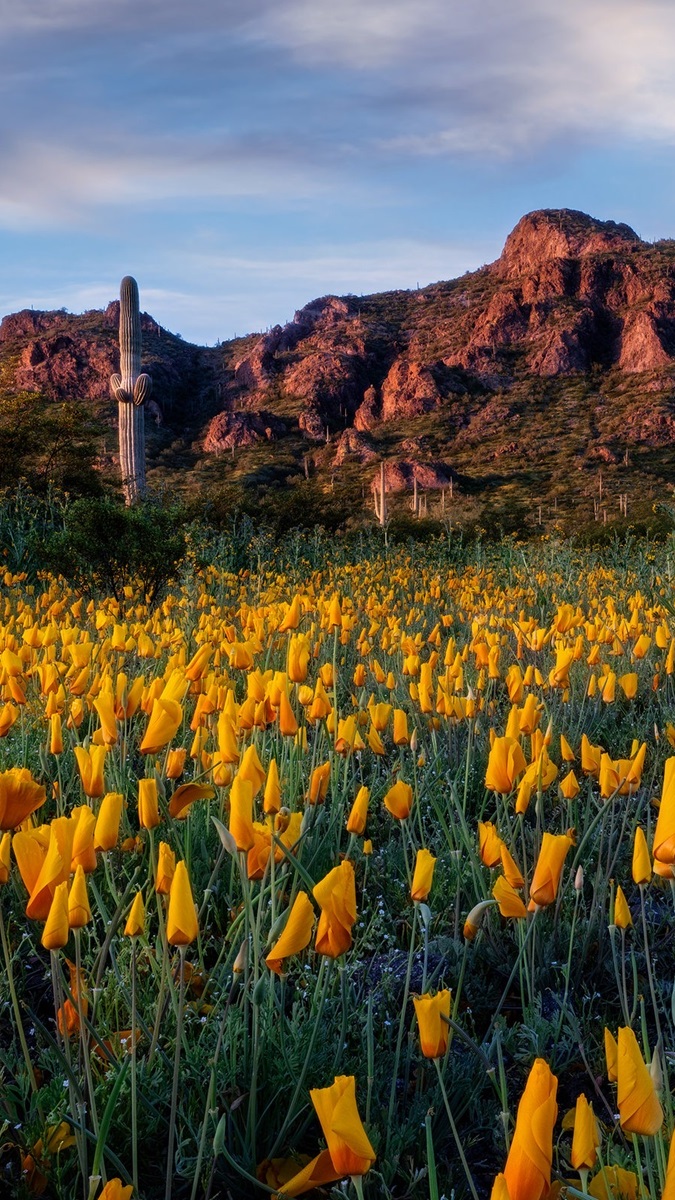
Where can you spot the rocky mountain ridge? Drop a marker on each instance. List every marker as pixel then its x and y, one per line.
pixel 572 328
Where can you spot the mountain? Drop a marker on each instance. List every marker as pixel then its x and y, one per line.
pixel 539 388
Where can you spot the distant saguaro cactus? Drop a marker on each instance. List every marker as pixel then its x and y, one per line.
pixel 131 389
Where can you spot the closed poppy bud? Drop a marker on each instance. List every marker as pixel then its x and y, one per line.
pixel 367 846
pixel 288 724
pixel 611 1055
pixel 182 926
pixel 252 769
pixel 622 916
pixel 336 896
pixel 136 920
pixel 55 734
pixel 528 1166
pixel 175 763
pixel 5 862
pixel 399 800
pixel 116 1190
pixel 586 1137
pixel 83 853
pixel 569 786
pixel 164 723
pixel 508 900
pixel 241 812
pixel 296 933
pixel 474 919
pixel 639 1107
pixel 148 804
pixel 90 764
pixel 546 878
pixel 566 750
pixel 423 875
pixel 348 1145
pixel 272 797
pixel 318 784
pixel 20 795
pixel 105 707
pixel 642 864
pixel 299 650
pixel 401 735
pixel 79 911
pixel 292 617
pixel 489 844
pixel 664 835
pixel 57 928
pixel 107 827
pixel 434 1031
pixel 334 613
pixel 499 1189
pixel 356 821
pixel 590 757
pixel 166 866
pixel 505 764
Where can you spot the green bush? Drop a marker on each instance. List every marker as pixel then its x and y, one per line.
pixel 105 546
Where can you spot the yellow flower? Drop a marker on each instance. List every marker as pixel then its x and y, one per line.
pixel 505 764
pixel 489 844
pixel 434 1031
pixel 79 912
pixel 136 920
pixel 296 933
pixel 546 878
pixel 508 900
pixel 166 867
pixel 622 915
pixel 57 928
pixel 187 794
pixel 422 875
pixel 182 926
pixel 586 1137
pixel 148 804
pixel 165 720
pixel 241 812
pixel 91 764
pixel 356 822
pixel 528 1166
pixel 639 1107
pixel 20 796
pixel 399 800
pixel 336 896
pixel 107 826
pixel 348 1145
pixel 642 864
pixel 663 848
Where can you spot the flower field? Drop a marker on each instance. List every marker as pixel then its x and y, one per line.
pixel 354 877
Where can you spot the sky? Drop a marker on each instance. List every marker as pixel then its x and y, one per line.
pixel 241 157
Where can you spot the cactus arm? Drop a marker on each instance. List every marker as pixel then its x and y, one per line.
pixel 117 391
pixel 142 389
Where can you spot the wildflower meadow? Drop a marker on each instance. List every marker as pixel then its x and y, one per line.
pixel 346 873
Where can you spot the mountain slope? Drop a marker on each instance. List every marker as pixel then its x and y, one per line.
pixel 543 379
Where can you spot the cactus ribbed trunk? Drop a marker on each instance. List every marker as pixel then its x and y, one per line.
pixel 131 389
pixel 131 420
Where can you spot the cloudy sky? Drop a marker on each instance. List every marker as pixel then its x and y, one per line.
pixel 240 157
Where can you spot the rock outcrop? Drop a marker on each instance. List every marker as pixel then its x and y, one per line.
pixel 400 476
pixel 232 430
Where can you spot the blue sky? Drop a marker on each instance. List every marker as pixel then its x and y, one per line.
pixel 240 157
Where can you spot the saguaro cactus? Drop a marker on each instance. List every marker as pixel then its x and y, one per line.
pixel 131 389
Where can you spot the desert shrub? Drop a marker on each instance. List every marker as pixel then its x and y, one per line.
pixel 104 546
